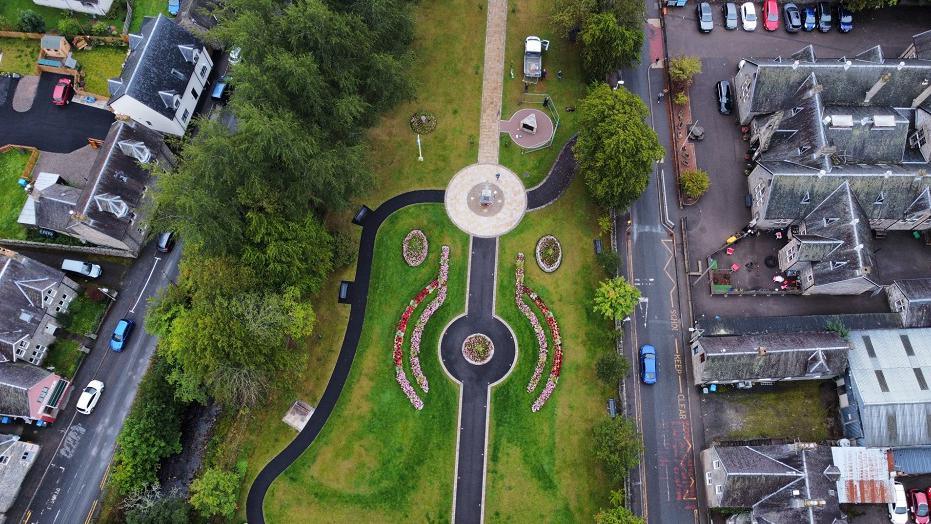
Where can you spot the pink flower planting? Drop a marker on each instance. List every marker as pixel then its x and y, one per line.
pixel 541 338
pixel 534 322
pixel 414 248
pixel 431 308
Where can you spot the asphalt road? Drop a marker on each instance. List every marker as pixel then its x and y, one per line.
pixel 64 485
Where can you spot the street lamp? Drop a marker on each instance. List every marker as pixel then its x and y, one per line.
pixel 419 149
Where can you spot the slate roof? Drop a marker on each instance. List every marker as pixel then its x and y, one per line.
pixel 922 42
pixel 918 293
pixel 865 141
pixel 21 455
pixel 22 284
pixel 800 134
pixel 15 380
pixel 788 355
pixel 160 64
pixel 52 41
pixel 53 206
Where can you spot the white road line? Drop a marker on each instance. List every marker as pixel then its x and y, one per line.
pixel 144 286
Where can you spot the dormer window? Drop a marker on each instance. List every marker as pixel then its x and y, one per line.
pixel 830 220
pixel 112 204
pixel 135 149
pixel 880 199
pixel 836 264
pixel 170 99
pixel 918 139
pixel 807 198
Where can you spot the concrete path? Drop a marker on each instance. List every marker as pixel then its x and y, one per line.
pixel 492 81
pixel 25 93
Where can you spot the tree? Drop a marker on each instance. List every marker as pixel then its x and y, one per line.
pixel 345 249
pixel 609 261
pixel 69 27
pixel 31 22
pixel 694 183
pixel 616 445
pixel 680 98
pixel 615 298
pixel 617 513
pixel 629 13
pixel 154 506
pixel 615 149
pixel 571 15
pixel 610 367
pixel 860 5
pixel 216 492
pixel 606 45
pixel 682 69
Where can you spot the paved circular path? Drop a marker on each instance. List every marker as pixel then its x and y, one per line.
pixel 507 206
pixel 545 128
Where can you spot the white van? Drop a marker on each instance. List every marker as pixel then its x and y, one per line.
pixel 84 268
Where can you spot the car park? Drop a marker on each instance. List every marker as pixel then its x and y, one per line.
pixel 730 15
pixel 918 506
pixel 89 397
pixel 174 6
pixel 824 17
pixel 62 92
pixel 748 16
pixel 725 98
pixel 121 333
pixel 770 15
pixel 809 18
pixel 844 19
pixel 648 364
pixel 791 17
pixel 705 20
pixel 82 268
pixel 165 242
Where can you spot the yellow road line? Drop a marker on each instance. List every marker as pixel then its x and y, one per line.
pixel 90 513
pixel 26 516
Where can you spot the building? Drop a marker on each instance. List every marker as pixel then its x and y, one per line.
pixel 163 76
pixel 920 46
pixel 30 393
pixel 768 358
pixel 91 7
pixel 32 295
pixel 55 46
pixel 885 400
pixel 911 299
pixel 16 459
pixel 111 210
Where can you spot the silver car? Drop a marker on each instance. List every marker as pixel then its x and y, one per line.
pixel 705 21
pixel 730 16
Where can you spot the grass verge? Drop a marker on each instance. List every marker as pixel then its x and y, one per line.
pixel 789 411
pixel 12 197
pixel 64 357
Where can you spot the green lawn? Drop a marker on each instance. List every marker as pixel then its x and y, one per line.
pixel 19 56
pixel 10 11
pixel 99 65
pixel 377 456
pixel 64 357
pixel 791 410
pixel 143 8
pixel 12 197
pixel 85 315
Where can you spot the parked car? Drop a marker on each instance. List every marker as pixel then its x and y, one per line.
pixel 809 18
pixel 648 364
pixel 221 90
pixel 792 18
pixel 89 397
pixel 824 17
pixel 173 7
pixel 844 19
pixel 770 15
pixel 121 333
pixel 898 510
pixel 730 15
pixel 235 55
pixel 705 20
pixel 165 242
pixel 748 16
pixel 83 268
pixel 725 99
pixel 62 92
pixel 918 506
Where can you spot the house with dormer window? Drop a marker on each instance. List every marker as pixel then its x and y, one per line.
pixel 163 76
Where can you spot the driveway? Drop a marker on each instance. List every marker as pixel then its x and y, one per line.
pixel 48 127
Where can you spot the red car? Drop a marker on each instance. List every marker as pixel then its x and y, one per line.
pixel 770 15
pixel 62 93
pixel 918 506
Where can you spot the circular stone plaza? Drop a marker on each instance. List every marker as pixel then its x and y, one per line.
pixel 486 200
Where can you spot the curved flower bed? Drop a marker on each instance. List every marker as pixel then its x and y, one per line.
pixel 534 322
pixel 431 308
pixel 548 253
pixel 398 354
pixel 415 247
pixel 478 349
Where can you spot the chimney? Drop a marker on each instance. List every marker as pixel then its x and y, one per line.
pixel 761 351
pixel 876 87
pixel 922 97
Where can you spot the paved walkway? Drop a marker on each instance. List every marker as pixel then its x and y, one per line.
pixel 25 93
pixel 500 214
pixel 492 81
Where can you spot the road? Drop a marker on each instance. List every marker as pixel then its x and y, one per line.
pixel 663 488
pixel 65 483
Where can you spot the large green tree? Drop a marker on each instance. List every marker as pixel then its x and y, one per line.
pixel 617 513
pixel 616 445
pixel 615 298
pixel 615 150
pixel 606 45
pixel 216 492
pixel 572 15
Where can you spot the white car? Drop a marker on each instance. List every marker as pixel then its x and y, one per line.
pixel 90 396
pixel 748 16
pixel 898 510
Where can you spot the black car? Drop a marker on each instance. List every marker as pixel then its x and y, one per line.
pixel 844 19
pixel 725 99
pixel 824 17
pixel 809 19
pixel 165 242
pixel 792 17
pixel 705 22
pixel 730 15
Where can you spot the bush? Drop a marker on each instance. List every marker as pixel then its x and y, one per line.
pixel 616 446
pixel 683 68
pixel 5 24
pixel 69 28
pixel 694 183
pixel 615 298
pixel 31 22
pixel 154 506
pixel 100 29
pixel 605 224
pixel 680 99
pixel 216 491
pixel 611 367
pixel 345 249
pixel 609 261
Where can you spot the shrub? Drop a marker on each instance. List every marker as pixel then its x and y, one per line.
pixel 694 183
pixel 31 22
pixel 69 28
pixel 615 298
pixel 683 68
pixel 680 99
pixel 345 249
pixel 616 446
pixel 216 491
pixel 609 261
pixel 611 367
pixel 5 24
pixel 100 29
pixel 605 224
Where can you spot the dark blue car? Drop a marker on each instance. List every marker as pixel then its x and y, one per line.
pixel 121 333
pixel 844 19
pixel 648 364
pixel 809 19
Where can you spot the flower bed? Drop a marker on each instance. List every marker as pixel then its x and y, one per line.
pixel 415 247
pixel 478 349
pixel 417 335
pixel 534 322
pixel 548 253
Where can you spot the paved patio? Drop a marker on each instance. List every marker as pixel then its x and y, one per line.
pixel 544 128
pixel 506 204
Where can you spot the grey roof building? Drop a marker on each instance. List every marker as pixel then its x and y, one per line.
pixel 16 459
pixel 920 46
pixel 768 358
pixel 30 393
pixel 911 299
pixel 885 399
pixel 32 295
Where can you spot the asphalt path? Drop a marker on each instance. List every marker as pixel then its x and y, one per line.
pixel 64 486
pixel 49 127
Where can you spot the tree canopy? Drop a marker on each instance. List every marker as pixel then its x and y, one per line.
pixel 216 492
pixel 615 149
pixel 615 298
pixel 616 445
pixel 606 45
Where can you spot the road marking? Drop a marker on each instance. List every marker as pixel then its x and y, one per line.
pixel 26 517
pixel 106 474
pixel 144 286
pixel 91 512
pixel 638 413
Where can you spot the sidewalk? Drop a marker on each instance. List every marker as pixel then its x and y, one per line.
pixel 492 81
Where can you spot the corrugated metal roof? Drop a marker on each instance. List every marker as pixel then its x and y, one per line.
pixel 897 366
pixel 915 460
pixel 864 475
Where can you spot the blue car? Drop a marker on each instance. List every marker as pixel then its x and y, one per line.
pixel 844 19
pixel 809 19
pixel 124 328
pixel 648 364
pixel 173 7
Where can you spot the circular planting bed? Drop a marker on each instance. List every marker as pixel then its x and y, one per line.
pixel 478 349
pixel 415 248
pixel 548 253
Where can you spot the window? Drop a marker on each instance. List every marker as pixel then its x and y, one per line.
pixel 185 115
pixel 920 377
pixel 807 198
pixel 880 199
pixel 203 71
pixel 716 464
pixel 918 139
pixel 719 488
pixel 194 93
pixel 708 478
pixel 881 379
pixel 25 455
pixel 907 344
pixel 810 279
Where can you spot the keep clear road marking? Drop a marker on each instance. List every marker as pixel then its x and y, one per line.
pixel 142 291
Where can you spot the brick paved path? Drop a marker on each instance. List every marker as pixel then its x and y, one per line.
pixel 492 81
